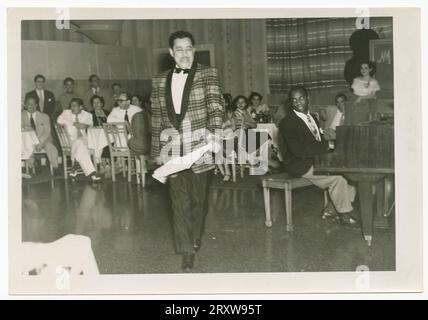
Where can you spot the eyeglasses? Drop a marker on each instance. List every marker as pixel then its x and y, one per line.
pixel 122 100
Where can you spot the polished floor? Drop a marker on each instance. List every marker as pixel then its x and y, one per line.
pixel 131 231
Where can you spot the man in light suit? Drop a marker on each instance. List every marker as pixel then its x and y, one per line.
pixel 186 101
pixel 335 116
pixel 76 121
pixel 302 141
pixel 44 98
pixel 95 89
pixel 31 119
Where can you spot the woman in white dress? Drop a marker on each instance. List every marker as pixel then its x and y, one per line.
pixel 365 86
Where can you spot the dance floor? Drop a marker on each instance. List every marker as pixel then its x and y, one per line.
pixel 131 231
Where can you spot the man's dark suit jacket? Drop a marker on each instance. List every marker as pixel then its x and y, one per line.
pixel 141 136
pixel 49 104
pixel 298 147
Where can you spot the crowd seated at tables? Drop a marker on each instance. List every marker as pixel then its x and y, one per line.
pixel 101 106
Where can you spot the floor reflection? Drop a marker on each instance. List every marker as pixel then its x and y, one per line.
pixel 130 229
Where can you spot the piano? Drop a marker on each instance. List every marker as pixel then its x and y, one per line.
pixel 364 154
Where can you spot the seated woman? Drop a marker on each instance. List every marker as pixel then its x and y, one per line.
pixel 257 109
pixel 243 118
pixel 99 114
pixel 244 121
pixel 365 86
pixel 228 127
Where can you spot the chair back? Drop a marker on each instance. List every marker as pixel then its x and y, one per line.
pixel 63 137
pixel 117 137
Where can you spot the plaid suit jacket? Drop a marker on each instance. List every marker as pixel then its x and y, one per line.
pixel 202 109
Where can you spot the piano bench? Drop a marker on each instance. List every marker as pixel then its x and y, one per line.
pixel 283 182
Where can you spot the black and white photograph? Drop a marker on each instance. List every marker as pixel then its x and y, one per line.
pixel 247 144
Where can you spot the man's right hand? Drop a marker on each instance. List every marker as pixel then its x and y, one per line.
pixel 158 161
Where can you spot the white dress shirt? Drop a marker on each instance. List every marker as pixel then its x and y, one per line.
pixel 68 119
pixel 177 87
pixel 118 114
pixel 310 123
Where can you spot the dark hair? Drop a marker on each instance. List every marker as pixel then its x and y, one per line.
pixel 255 94
pixel 138 97
pixel 78 100
pixel 371 65
pixel 93 76
pixel 27 98
pixel 180 35
pixel 235 101
pixel 39 76
pixel 68 79
pixel 340 95
pixel 91 101
pixel 127 94
pixel 297 88
pixel 227 98
pixel 116 84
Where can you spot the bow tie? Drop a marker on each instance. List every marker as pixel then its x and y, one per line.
pixel 178 70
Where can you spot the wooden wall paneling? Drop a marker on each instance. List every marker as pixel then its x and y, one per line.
pixel 225 54
pixel 237 54
pixel 245 56
pixel 259 79
pixel 35 30
pixel 48 27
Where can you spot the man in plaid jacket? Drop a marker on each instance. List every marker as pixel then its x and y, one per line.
pixel 187 107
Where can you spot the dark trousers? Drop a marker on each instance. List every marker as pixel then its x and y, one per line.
pixel 188 191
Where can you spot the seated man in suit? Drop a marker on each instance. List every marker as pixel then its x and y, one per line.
pixel 302 140
pixel 44 98
pixel 95 89
pixel 125 111
pixel 335 116
pixel 76 121
pixel 31 119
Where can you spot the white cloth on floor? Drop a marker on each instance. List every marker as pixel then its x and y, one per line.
pixel 71 252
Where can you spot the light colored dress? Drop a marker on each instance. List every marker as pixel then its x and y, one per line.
pixel 363 88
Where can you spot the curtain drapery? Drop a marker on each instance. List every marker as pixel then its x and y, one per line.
pixel 312 51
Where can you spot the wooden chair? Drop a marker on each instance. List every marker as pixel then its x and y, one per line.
pixel 247 161
pixel 117 138
pixel 283 182
pixel 42 154
pixel 65 143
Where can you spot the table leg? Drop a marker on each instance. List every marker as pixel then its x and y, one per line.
pixel 266 195
pixel 366 205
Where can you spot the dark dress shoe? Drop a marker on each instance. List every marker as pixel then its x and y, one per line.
pixel 197 244
pixel 188 260
pixel 347 220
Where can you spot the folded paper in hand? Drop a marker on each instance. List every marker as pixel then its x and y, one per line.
pixel 185 162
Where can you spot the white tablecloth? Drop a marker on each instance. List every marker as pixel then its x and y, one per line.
pixel 28 141
pixel 272 130
pixel 97 141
